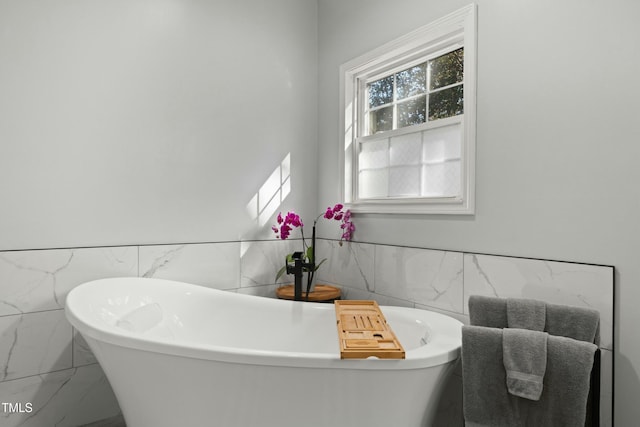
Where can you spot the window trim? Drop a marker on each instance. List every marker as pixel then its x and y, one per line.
pixel 457 28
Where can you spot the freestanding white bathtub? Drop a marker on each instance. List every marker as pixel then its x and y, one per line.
pixel 184 355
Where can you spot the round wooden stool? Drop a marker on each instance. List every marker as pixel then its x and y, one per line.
pixel 321 293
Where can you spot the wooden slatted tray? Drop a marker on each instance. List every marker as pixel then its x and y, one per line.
pixel 363 331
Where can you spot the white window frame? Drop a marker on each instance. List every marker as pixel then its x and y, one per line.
pixel 455 30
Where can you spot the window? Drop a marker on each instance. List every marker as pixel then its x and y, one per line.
pixel 409 121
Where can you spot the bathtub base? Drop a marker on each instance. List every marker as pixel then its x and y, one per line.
pixel 165 390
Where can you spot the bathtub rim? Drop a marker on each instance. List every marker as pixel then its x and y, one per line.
pixel 418 358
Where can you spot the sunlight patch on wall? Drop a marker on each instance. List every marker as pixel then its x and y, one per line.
pixel 348 133
pixel 347 157
pixel 272 193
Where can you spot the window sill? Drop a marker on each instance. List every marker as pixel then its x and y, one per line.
pixel 440 206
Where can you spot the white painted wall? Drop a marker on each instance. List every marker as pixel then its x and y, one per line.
pixel 557 140
pixel 151 121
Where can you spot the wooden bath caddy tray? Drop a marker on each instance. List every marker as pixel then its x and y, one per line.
pixel 363 331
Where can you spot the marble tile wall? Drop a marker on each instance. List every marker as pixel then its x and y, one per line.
pixel 43 361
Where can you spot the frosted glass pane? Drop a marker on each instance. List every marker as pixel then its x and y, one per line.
pixel 443 143
pixel 404 181
pixel 441 180
pixel 406 149
pixel 374 154
pixel 373 183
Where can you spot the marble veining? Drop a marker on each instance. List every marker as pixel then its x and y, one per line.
pixel 66 398
pixel 355 255
pixel 482 274
pixel 350 265
pixel 40 280
pixel 261 260
pixel 162 260
pixel 214 265
pixel 82 354
pixel 14 341
pixel 34 343
pixel 427 277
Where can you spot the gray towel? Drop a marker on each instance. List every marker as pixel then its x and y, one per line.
pixel 562 320
pixel 485 397
pixel 488 311
pixel 524 354
pixel 526 314
pixel 486 401
pixel 578 323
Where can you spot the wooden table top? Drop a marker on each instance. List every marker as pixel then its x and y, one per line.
pixel 320 293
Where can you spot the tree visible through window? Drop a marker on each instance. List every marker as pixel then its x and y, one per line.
pixel 428 91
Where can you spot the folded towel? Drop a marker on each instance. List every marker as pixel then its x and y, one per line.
pixel 579 323
pixel 526 314
pixel 486 401
pixel 573 322
pixel 488 311
pixel 524 355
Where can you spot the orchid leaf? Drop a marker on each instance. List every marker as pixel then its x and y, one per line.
pixel 310 253
pixel 319 264
pixel 281 272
